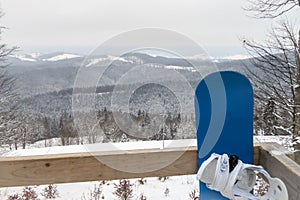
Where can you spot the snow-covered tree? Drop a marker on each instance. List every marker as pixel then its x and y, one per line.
pixel 275 67
pixel 275 75
pixel 8 98
pixel 66 128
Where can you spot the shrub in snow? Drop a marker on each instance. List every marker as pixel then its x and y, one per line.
pixel 194 195
pixel 14 197
pixel 50 192
pixel 167 192
pixel 29 194
pixel 142 181
pixel 124 190
pixel 95 194
pixel 142 197
pixel 163 178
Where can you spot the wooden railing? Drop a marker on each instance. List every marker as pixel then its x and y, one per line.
pixel 276 160
pixel 84 166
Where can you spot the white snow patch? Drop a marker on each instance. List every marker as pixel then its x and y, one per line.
pixel 192 69
pixel 237 57
pixel 25 58
pixel 204 57
pixel 114 58
pixel 284 140
pixel 296 86
pixel 233 57
pixel 35 55
pixel 278 139
pixel 277 153
pixel 95 61
pixel 62 57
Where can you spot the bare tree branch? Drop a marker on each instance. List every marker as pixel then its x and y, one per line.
pixel 274 73
pixel 271 8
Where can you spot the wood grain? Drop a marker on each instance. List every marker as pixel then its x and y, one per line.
pixel 80 167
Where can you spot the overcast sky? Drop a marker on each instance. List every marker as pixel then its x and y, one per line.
pixel 81 25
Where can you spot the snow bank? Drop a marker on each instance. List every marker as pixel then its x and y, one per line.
pixel 103 147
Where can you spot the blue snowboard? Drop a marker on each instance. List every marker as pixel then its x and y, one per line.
pixel 224 116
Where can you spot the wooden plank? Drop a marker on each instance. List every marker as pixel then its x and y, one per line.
pixel 274 159
pixel 81 167
pixel 256 153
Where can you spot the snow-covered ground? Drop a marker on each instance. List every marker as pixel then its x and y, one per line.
pixel 283 140
pixel 179 188
pixel 102 147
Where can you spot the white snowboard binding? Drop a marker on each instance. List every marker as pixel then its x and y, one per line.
pixel 235 180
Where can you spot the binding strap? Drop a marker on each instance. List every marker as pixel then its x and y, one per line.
pixel 238 184
pixel 222 171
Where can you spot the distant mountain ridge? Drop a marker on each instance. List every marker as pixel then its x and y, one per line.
pixel 46 81
pixel 38 57
pixel 38 73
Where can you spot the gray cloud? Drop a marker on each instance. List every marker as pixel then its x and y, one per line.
pixel 71 23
